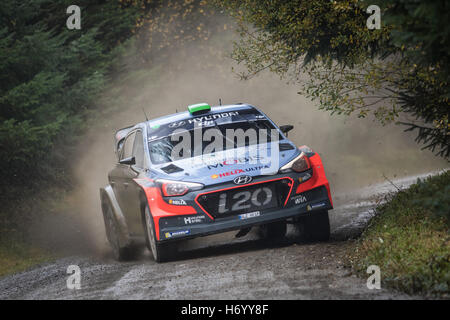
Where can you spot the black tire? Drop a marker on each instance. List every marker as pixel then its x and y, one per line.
pixel 161 252
pixel 120 253
pixel 273 231
pixel 314 227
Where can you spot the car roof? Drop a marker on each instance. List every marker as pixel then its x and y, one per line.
pixel 184 115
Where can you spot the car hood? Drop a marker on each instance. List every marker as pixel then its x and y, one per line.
pixel 225 166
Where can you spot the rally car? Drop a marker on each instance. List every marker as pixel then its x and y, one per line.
pixel 169 184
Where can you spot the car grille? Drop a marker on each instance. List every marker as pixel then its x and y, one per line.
pixel 222 203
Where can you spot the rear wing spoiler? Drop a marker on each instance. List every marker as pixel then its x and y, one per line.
pixel 119 137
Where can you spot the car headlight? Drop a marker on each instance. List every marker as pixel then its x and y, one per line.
pixel 299 164
pixel 177 188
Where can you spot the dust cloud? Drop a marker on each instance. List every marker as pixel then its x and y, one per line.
pixel 355 152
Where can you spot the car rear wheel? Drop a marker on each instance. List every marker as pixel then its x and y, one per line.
pixel 160 251
pixel 314 227
pixel 112 233
pixel 273 231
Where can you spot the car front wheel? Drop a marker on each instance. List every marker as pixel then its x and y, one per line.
pixel 160 251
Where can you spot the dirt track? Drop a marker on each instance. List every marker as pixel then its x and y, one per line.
pixel 221 267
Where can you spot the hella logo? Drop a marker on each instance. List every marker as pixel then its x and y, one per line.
pixel 242 179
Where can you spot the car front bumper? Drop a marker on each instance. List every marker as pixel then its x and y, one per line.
pixel 173 233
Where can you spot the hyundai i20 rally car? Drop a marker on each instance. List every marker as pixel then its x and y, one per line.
pixel 170 184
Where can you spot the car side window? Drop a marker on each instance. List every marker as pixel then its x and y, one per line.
pixel 128 146
pixel 138 150
pixel 120 148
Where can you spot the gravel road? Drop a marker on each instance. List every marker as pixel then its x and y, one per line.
pixel 222 267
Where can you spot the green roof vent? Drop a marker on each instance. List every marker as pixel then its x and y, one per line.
pixel 199 108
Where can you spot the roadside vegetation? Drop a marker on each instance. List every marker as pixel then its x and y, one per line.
pixel 50 78
pixel 17 256
pixel 409 239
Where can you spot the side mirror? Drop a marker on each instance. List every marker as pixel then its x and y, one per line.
pixel 286 128
pixel 129 161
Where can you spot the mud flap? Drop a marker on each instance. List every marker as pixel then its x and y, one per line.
pixel 107 194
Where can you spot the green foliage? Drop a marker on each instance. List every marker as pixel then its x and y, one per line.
pixel 402 68
pixel 419 28
pixel 50 79
pixel 50 76
pixel 279 35
pixel 409 239
pixel 419 32
pixel 433 194
pixel 16 257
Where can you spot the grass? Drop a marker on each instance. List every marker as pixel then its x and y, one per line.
pixel 18 250
pixel 16 256
pixel 409 239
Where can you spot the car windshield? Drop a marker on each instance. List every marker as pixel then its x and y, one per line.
pixel 162 149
